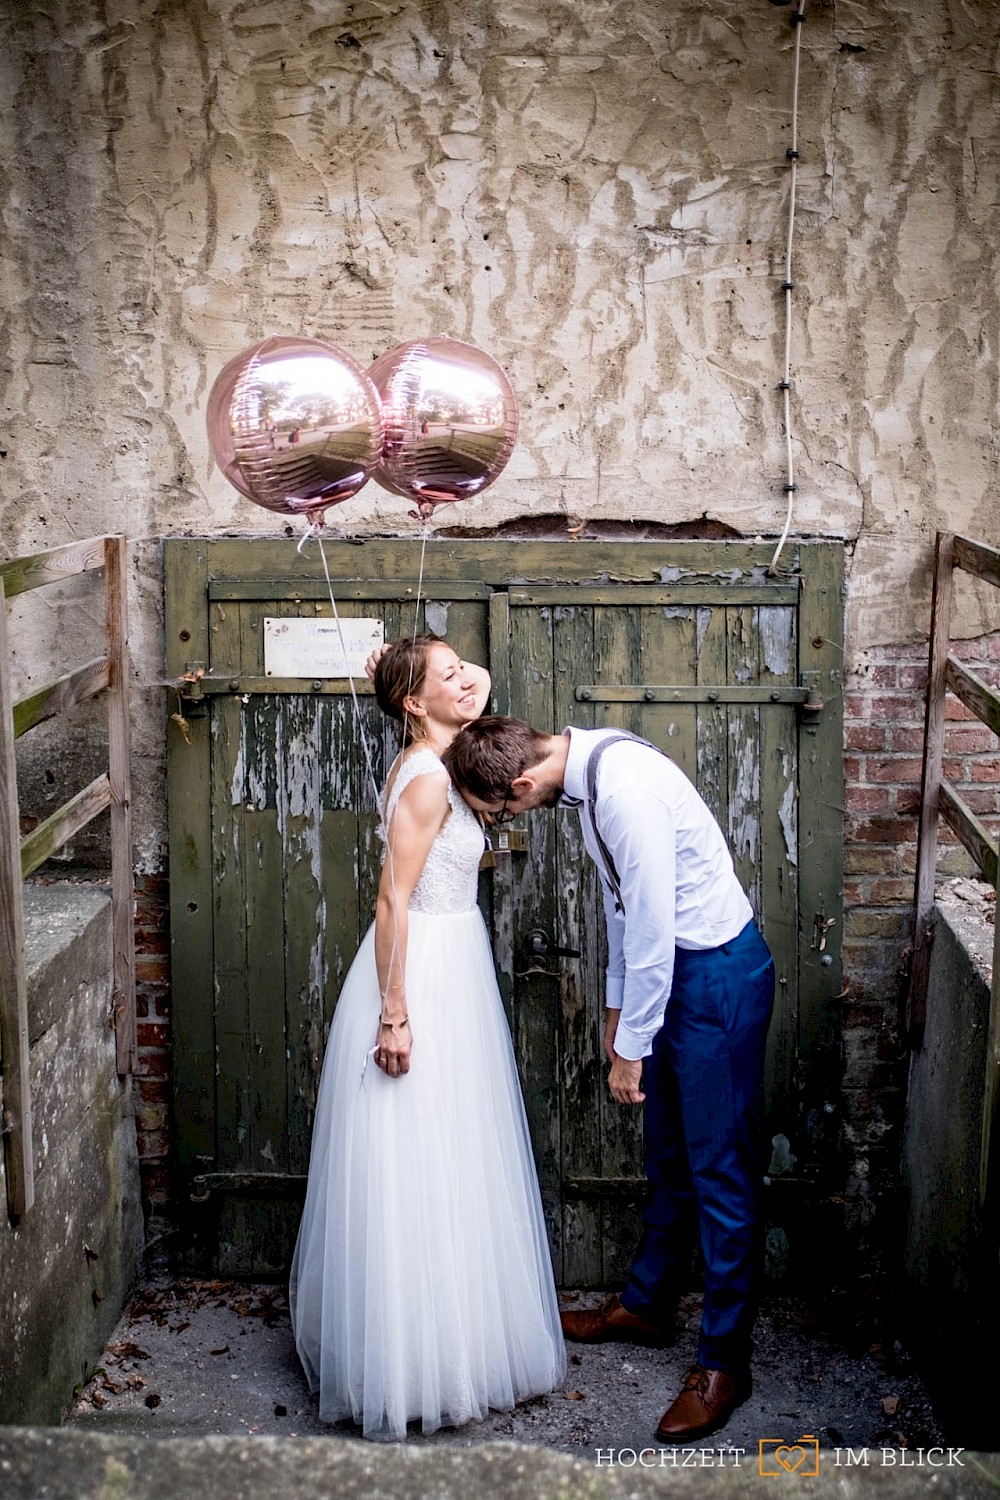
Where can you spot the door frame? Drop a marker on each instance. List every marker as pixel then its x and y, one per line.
pixel 200 571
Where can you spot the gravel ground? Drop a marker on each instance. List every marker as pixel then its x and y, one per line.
pixel 192 1357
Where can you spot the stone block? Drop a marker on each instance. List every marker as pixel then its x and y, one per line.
pixel 952 1301
pixel 67 1266
pixel 66 938
pixel 71 1465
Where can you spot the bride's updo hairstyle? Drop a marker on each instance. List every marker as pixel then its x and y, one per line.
pixel 400 673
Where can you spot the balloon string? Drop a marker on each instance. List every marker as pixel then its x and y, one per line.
pixel 420 573
pixel 315 531
pixel 416 620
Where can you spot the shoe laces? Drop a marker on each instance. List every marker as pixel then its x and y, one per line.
pixel 697 1379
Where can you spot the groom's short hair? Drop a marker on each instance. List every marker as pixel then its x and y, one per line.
pixel 488 755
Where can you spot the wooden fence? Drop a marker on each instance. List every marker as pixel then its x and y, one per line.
pixel 19 857
pixel 939 797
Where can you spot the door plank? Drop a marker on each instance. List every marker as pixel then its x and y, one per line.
pixel 265 932
pixel 462 624
pixel 497 562
pixel 821 740
pixel 265 862
pixel 301 790
pixel 780 858
pixel 531 882
pixel 712 754
pixel 496 894
pixel 743 666
pixel 232 1021
pixel 617 658
pixel 186 638
pixel 667 644
pixel 345 924
pixel 578 923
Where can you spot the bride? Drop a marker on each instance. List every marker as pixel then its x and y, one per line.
pixel 421 1286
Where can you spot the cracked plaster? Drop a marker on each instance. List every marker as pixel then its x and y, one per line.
pixel 595 193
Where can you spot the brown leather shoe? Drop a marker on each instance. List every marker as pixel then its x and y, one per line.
pixel 612 1321
pixel 707 1400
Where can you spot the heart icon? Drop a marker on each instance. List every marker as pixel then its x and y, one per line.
pixel 790 1458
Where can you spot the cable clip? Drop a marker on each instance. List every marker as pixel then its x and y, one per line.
pixel 790 488
pixel 784 385
pixel 788 286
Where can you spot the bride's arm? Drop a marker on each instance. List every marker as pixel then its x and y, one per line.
pixel 416 822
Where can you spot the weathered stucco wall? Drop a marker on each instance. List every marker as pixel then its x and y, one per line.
pixel 596 193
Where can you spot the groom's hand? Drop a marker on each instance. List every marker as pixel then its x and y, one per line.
pixel 625 1080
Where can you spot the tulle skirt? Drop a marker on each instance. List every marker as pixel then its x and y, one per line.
pixel 421 1286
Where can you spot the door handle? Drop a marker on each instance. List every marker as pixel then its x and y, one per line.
pixel 541 946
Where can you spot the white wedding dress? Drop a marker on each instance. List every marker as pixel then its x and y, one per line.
pixel 421 1286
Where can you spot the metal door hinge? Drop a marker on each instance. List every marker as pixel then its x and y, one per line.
pixel 813 704
pixel 205 1185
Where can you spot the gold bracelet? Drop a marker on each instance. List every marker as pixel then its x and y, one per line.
pixel 391 1025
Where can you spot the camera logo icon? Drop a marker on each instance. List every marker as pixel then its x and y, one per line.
pixel 777 1457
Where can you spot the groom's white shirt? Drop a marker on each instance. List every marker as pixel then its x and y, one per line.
pixel 678 886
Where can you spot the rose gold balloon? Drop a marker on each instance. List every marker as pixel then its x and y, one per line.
pixel 295 424
pixel 450 420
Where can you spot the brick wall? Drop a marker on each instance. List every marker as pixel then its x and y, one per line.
pixel 883 743
pixel 152 1080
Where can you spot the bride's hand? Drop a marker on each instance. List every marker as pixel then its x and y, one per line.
pixel 392 1051
pixel 374 660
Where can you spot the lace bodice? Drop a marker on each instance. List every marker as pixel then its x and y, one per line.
pixel 449 880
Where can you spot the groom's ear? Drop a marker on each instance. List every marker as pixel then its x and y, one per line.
pixel 526 782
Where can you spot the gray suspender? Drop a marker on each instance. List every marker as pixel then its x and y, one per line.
pixel 591 776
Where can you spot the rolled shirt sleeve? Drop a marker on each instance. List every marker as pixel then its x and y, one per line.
pixel 614 980
pixel 641 833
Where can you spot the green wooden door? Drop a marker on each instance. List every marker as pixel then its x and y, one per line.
pixel 274 860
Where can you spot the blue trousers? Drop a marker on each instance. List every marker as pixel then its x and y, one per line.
pixel 701 1120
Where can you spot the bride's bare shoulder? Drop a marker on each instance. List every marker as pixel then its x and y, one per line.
pixel 418 766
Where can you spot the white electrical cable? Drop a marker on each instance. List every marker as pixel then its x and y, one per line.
pixel 785 386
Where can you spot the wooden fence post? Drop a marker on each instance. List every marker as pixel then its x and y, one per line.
pixel 944 558
pixel 18 1157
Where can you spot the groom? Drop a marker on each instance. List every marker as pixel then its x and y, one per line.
pixel 690 987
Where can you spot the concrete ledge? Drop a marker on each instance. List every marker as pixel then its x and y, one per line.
pixel 39 1464
pixel 66 938
pixel 68 1265
pixel 952 1300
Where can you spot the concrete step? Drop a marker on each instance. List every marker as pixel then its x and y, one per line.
pixel 60 1464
